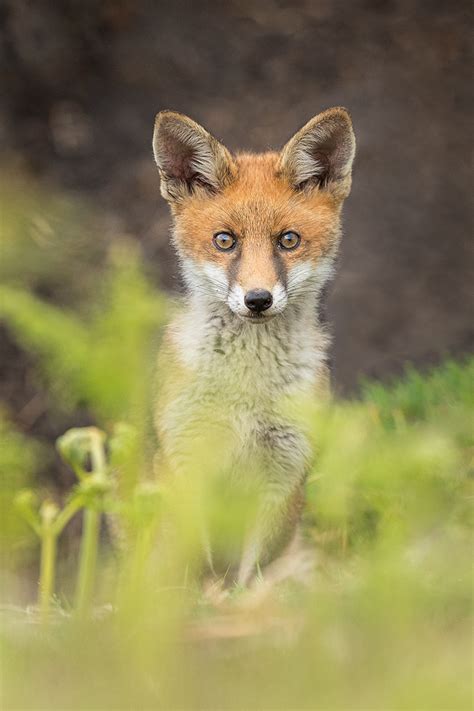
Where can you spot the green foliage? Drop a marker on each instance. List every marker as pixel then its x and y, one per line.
pixel 384 621
pixel 100 360
pixel 18 461
pixel 419 397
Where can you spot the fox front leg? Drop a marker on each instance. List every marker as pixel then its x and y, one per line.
pixel 206 546
pixel 249 561
pixel 276 525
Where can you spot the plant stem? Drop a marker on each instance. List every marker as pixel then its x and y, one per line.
pixel 87 561
pixel 133 587
pixel 90 533
pixel 65 516
pixel 47 572
pixel 97 453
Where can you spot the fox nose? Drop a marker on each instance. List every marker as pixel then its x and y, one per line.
pixel 258 300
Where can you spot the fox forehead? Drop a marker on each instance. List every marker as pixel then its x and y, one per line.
pixel 257 205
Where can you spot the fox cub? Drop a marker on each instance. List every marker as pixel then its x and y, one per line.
pixel 256 236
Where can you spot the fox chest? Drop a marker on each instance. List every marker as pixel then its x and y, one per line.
pixel 238 390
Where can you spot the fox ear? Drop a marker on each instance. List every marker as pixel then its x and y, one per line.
pixel 321 153
pixel 188 157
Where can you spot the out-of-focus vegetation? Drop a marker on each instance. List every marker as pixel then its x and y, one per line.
pixel 384 618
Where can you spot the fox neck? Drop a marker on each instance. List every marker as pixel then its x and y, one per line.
pixel 288 350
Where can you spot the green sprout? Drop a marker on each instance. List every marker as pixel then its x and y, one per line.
pixel 78 447
pixel 48 522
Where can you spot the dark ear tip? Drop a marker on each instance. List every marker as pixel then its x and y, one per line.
pixel 338 113
pixel 163 117
pixel 167 119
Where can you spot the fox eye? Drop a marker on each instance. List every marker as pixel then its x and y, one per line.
pixel 289 240
pixel 224 241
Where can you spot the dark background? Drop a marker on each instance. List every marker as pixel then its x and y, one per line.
pixel 82 80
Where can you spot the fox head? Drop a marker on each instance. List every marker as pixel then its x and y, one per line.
pixel 257 232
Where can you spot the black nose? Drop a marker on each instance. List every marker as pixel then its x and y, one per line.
pixel 258 300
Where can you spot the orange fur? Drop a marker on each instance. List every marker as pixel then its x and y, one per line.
pixel 257 206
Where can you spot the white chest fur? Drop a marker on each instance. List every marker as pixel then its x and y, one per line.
pixel 239 374
pixel 258 362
